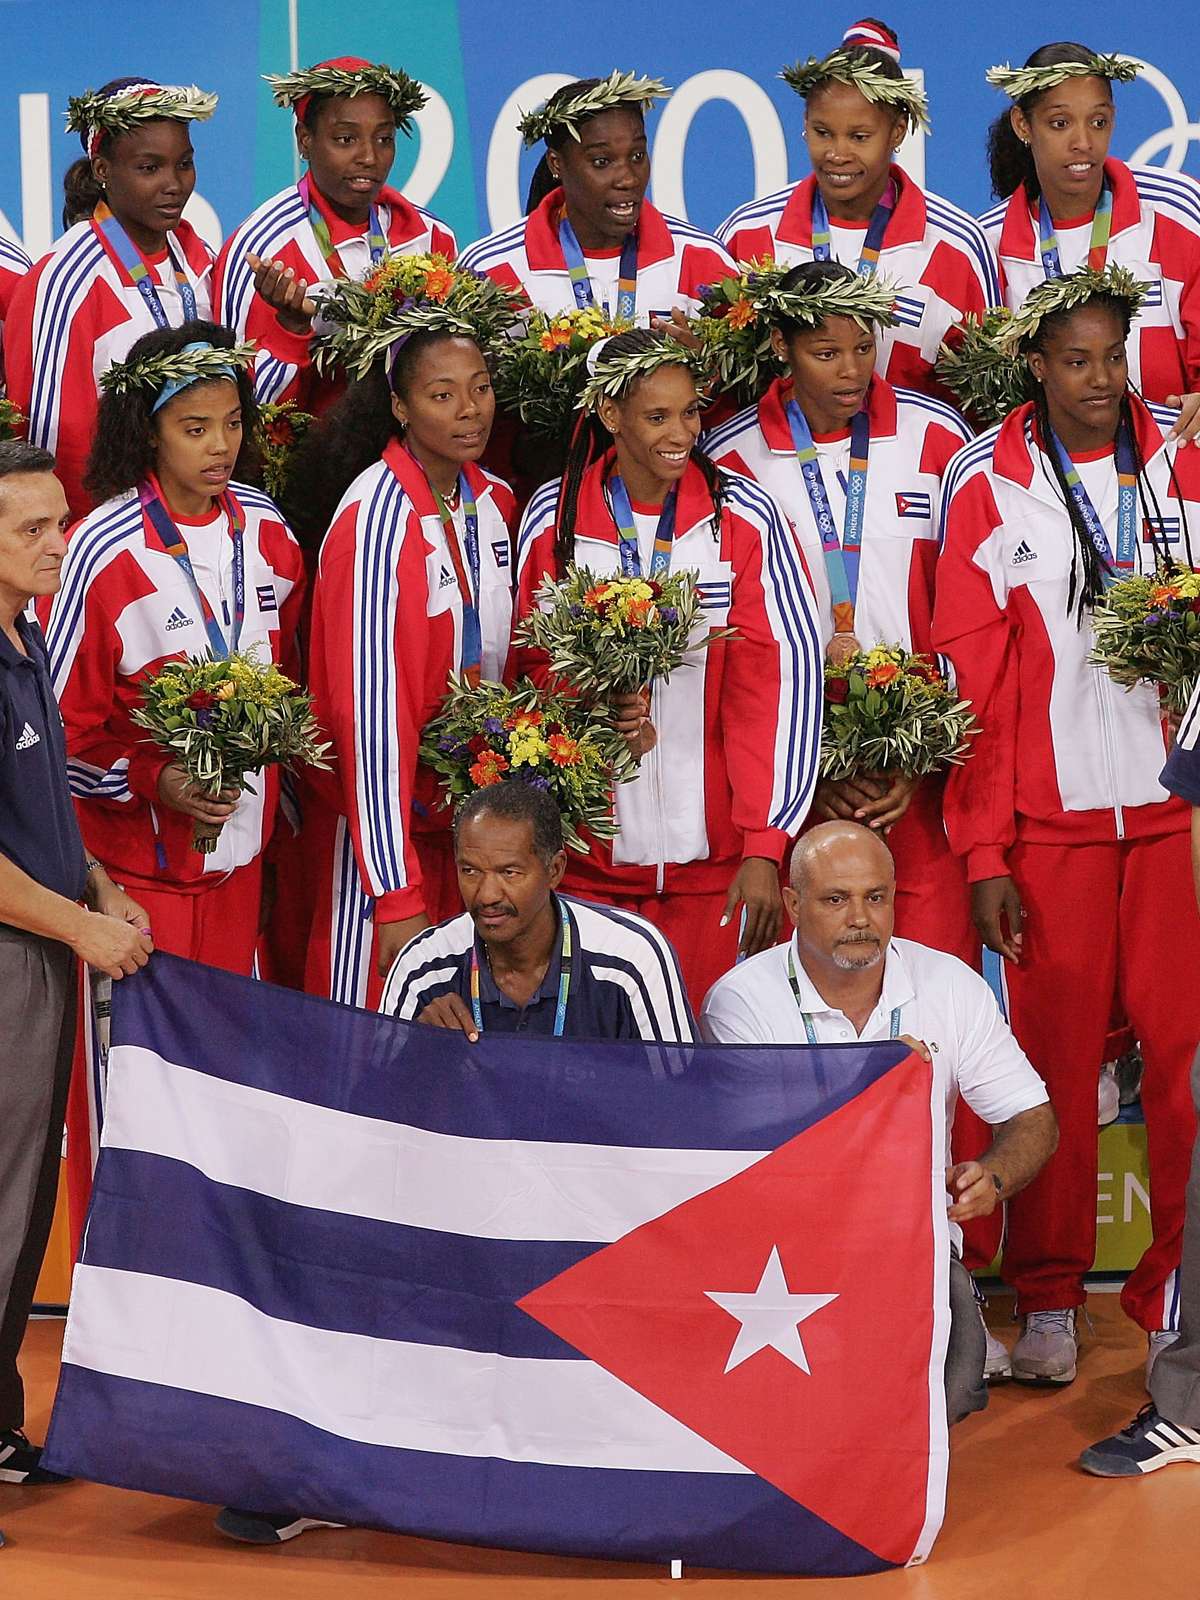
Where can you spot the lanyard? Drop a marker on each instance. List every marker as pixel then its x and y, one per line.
pixel 664 536
pixel 376 239
pixel 1126 506
pixel 468 584
pixel 175 546
pixel 1097 244
pixel 564 977
pixel 581 284
pixel 841 559
pixel 822 248
pixel 810 1032
pixel 142 278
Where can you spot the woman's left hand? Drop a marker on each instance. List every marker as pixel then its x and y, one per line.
pixel 679 328
pixel 1187 423
pixel 756 886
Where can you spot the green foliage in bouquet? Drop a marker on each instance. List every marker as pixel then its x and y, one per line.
pixel 223 719
pixel 281 426
pixel 1146 629
pixel 12 420
pixel 487 734
pixel 607 636
pixel 540 374
pixel 888 710
pixel 987 381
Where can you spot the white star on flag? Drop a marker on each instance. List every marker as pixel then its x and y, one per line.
pixel 770 1317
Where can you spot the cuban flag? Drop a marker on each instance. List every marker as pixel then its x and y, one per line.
pixel 914 503
pixel 526 1293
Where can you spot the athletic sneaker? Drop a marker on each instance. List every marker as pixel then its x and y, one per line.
pixel 997 1363
pixel 1047 1349
pixel 1160 1340
pixel 21 1462
pixel 1149 1442
pixel 267 1527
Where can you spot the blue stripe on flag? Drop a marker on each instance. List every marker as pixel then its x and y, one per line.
pixel 652 1516
pixel 352 1275
pixel 746 1098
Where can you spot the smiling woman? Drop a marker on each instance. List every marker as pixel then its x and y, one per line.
pixel 131 266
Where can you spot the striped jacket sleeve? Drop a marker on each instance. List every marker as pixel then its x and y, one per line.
pixel 282 356
pixel 535 558
pixel 374 647
pixel 971 627
pixel 773 690
pixel 109 761
pixel 640 959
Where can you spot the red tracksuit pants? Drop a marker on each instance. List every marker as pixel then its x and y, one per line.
pixel 217 925
pixel 342 953
pixel 692 923
pixel 933 898
pixel 1104 922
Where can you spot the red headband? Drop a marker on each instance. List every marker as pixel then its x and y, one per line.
pixel 871 36
pixel 339 64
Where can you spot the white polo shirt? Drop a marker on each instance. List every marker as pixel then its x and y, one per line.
pixel 938 999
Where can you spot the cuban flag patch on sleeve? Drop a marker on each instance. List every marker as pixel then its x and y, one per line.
pixel 1163 529
pixel 714 596
pixel 913 503
pixel 266 597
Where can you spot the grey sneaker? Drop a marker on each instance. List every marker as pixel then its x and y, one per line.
pixel 1046 1351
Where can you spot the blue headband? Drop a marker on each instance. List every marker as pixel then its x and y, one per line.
pixel 174 386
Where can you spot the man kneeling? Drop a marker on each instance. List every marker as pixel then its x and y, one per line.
pixel 843 977
pixel 521 959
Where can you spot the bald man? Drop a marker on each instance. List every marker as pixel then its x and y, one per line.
pixel 843 977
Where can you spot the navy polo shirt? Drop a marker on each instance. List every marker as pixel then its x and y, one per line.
pixel 39 831
pixel 625 981
pixel 1181 775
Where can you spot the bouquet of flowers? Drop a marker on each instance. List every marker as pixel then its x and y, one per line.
pixel 608 636
pixel 12 420
pixel 486 733
pixel 735 330
pixel 540 373
pixel 222 719
pixel 1147 630
pixel 359 320
pixel 280 429
pixel 986 379
pixel 887 710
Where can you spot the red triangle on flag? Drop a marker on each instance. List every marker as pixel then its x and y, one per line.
pixel 845 1209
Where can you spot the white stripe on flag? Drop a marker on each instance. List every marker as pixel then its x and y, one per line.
pixel 359 1166
pixel 374 1391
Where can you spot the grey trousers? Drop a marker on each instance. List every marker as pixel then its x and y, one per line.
pixel 966 1350
pixel 37 1041
pixel 1175 1377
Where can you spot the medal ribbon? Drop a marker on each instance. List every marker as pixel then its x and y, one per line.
pixel 1126 507
pixel 1097 244
pixel 468 584
pixel 810 1032
pixel 376 238
pixel 841 559
pixel 581 284
pixel 664 536
pixel 175 546
pixel 128 254
pixel 822 246
pixel 564 977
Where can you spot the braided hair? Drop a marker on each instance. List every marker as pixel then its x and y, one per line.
pixel 591 439
pixel 1010 160
pixel 1088 568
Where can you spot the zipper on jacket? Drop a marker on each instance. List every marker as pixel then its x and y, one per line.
pixel 660 809
pixel 1109 748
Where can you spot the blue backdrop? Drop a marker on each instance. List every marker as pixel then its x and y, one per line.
pixel 732 128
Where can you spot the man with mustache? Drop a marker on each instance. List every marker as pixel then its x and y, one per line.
pixel 525 959
pixel 841 978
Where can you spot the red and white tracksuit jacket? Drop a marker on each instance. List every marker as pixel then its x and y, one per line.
pixel 1156 234
pixel 674 260
pixel 1062 792
pixel 733 772
pixel 913 438
pixel 386 635
pixel 14 264
pixel 936 255
pixel 123 609
pixel 74 314
pixel 280 230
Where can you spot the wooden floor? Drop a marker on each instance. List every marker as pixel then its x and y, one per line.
pixel 1023 1521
